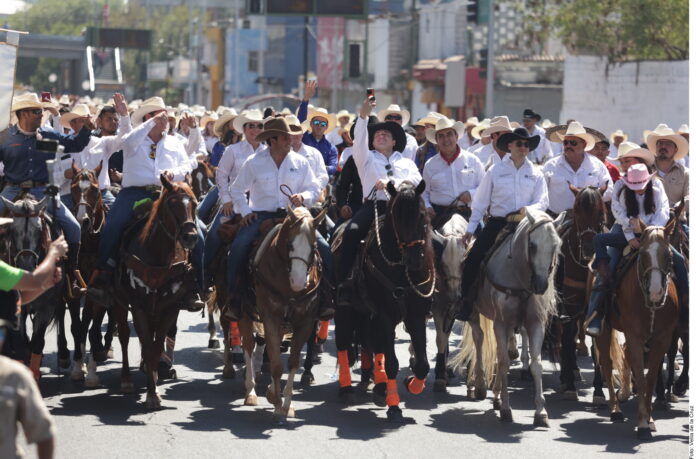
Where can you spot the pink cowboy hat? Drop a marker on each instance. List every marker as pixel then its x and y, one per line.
pixel 637 177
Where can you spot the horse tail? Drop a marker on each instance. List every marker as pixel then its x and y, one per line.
pixel 621 376
pixel 465 356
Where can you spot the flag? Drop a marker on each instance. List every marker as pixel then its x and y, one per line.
pixel 8 60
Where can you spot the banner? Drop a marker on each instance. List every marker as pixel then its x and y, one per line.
pixel 8 61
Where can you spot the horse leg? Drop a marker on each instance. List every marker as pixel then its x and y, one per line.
pixel 307 376
pixel 513 352
pixel 502 332
pixel 391 364
pixel 121 315
pixel 525 373
pixel 671 360
pixel 246 330
pixel 536 338
pixel 228 367
pixel 302 333
pixel 636 358
pixel 63 352
pixel 213 342
pixel 343 319
pixel 598 394
pixel 165 365
pixel 659 346
pixel 379 391
pixel 37 343
pixel 415 324
pixel 568 350
pixel 273 333
pixel 111 329
pixel 480 386
pixel 78 368
pixel 441 341
pixel 682 383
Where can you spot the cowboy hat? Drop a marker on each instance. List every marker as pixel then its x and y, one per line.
pixel 529 114
pixel 683 129
pixel 277 126
pixel 632 150
pixel 546 124
pixel 345 114
pixel 285 112
pixel 471 121
pixel 518 134
pixel 498 124
pixel 253 115
pixel 78 111
pixel 320 112
pixel 28 100
pixel 574 129
pixel 664 132
pixel 618 133
pixel 482 126
pixel 393 108
pixel 430 118
pixel 153 104
pixel 397 133
pixel 227 115
pixel 294 121
pixel 443 124
pixel 207 118
pixel 637 177
pixel 64 100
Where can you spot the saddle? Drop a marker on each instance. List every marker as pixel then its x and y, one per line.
pixel 513 219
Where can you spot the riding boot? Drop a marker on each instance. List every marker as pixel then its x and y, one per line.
pixel 99 289
pixel 326 300
pixel 595 312
pixel 192 301
pixel 73 272
pixel 344 293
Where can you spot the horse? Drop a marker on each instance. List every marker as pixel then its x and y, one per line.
pixel 153 277
pixel 516 290
pixel 450 264
pixel 588 219
pixel 284 299
pixel 28 240
pixel 646 311
pixel 202 178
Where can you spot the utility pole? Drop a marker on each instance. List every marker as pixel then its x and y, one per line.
pixel 490 59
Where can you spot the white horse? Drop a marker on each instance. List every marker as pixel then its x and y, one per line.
pixel 516 291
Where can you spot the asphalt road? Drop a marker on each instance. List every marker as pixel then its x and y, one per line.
pixel 204 416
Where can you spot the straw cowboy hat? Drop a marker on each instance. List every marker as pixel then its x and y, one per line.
pixel 430 118
pixel 471 121
pixel 153 104
pixel 443 124
pixel 632 150
pixel 294 121
pixel 26 101
pixel 498 124
pixel 574 129
pixel 479 128
pixel 546 124
pixel 664 132
pixel 227 115
pixel 618 133
pixel 393 108
pixel 64 100
pixel 277 126
pixel 253 115
pixel 683 129
pixel 323 113
pixel 637 177
pixel 345 114
pixel 518 134
pixel 78 111
pixel 207 118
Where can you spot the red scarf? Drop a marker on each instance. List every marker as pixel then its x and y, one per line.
pixel 454 158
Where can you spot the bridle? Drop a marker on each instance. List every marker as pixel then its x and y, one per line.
pixel 643 275
pixel 581 260
pixel 44 235
pixel 177 231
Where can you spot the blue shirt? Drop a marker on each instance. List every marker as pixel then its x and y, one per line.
pixel 21 159
pixel 432 151
pixel 216 155
pixel 327 149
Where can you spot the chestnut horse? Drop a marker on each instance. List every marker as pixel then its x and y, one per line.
pixel 201 178
pixel 154 277
pixel 286 272
pixel 647 309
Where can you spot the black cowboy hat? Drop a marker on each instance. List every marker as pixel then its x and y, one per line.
pixel 518 134
pixel 396 130
pixel 529 114
pixel 372 119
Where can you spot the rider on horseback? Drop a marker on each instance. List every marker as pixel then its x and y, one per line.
pixel 378 160
pixel 508 187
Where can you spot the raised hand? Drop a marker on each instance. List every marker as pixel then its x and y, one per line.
pixel 310 89
pixel 120 104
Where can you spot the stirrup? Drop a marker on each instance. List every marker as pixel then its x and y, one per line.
pixel 593 325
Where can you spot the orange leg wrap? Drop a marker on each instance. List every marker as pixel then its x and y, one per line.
pixel 416 386
pixel 35 365
pixel 365 359
pixel 392 393
pixel 323 330
pixel 380 373
pixel 235 336
pixel 344 378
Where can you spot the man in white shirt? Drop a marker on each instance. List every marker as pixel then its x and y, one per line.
pixel 311 154
pixel 261 176
pixel 378 159
pixel 344 119
pixel 467 140
pixel 394 114
pixel 492 154
pixel 543 152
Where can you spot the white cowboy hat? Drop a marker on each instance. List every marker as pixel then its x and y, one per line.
pixel 498 124
pixel 576 129
pixel 153 104
pixel 632 150
pixel 441 125
pixel 78 111
pixel 227 115
pixel 430 118
pixel 618 133
pixel 294 121
pixel 253 115
pixel 683 129
pixel 322 112
pixel 664 132
pixel 393 108
pixel 547 124
pixel 482 126
pixel 64 100
pixel 28 100
pixel 207 118
pixel 344 114
pixel 285 112
pixel 471 121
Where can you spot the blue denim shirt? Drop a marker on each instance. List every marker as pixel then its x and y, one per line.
pixel 21 159
pixel 216 155
pixel 327 149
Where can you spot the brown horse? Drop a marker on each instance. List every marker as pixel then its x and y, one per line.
pixel 286 271
pixel 646 312
pixel 154 276
pixel 201 178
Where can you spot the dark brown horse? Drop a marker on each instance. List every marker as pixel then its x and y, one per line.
pixel 646 312
pixel 202 178
pixel 154 277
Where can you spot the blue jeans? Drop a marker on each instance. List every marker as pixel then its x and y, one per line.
pixel 67 201
pixel 65 218
pixel 207 203
pixel 107 199
pixel 212 240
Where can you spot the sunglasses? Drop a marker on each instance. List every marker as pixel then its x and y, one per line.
pixel 390 172
pixel 254 125
pixel 320 123
pixel 36 111
pixel 572 143
pixel 392 118
pixel 153 151
pixel 522 144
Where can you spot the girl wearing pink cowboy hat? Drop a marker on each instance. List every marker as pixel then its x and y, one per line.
pixel 636 197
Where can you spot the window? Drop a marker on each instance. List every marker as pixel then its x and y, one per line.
pixel 354 60
pixel 253 62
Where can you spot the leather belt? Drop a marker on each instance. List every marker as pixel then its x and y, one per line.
pixel 28 184
pixel 149 188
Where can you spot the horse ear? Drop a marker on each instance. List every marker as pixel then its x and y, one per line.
pixel 98 169
pixel 439 238
pixel 41 205
pixel 391 189
pixel 530 216
pixel 166 183
pixel 420 188
pixel 319 218
pixel 574 189
pixel 13 208
pixel 559 220
pixel 604 187
pixel 76 170
pixel 291 214
pixel 642 225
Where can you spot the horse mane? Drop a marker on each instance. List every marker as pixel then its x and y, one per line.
pixel 410 205
pixel 587 202
pixel 177 187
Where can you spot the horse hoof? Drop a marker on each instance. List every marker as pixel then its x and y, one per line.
pixel 525 375
pixel 680 387
pixel 280 420
pixel 651 426
pixel 470 394
pixel 213 344
pixel 127 387
pixel 514 355
pixel 480 393
pixel 395 415
pixel 440 385
pixel 92 382
pixel 364 386
pixel 379 394
pixel 496 404
pixel 599 400
pixel 291 412
pixel 172 373
pixel 506 415
pixel 644 433
pixel 617 416
pixel 228 372
pixel 110 353
pixel 251 400
pixel 622 395
pixel 570 395
pixel 541 420
pixel 153 402
pixel 164 371
pixel 307 378
pixel 99 356
pixel 346 395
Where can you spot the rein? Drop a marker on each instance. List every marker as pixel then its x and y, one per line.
pixel 642 283
pixel 580 260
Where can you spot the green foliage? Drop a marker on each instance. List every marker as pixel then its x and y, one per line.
pixel 618 29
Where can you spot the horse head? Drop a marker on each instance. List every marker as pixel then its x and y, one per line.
pixel 86 197
pixel 453 254
pixel 589 216
pixel 655 261
pixel 26 231
pixel 200 179
pixel 543 246
pixel 175 210
pixel 409 220
pixel 299 233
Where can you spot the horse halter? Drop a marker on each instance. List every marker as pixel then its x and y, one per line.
pixel 44 237
pixel 178 226
pixel 309 262
pixel 643 281
pixel 581 260
pixel 536 225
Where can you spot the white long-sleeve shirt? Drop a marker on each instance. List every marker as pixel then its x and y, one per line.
pixel 262 179
pixel 483 152
pixel 558 173
pixel 445 182
pixel 658 218
pixel 334 137
pixel 543 151
pixel 505 189
pixel 411 148
pixel 373 165
pixel 231 162
pixel 347 153
pixel 139 169
pixel 316 162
